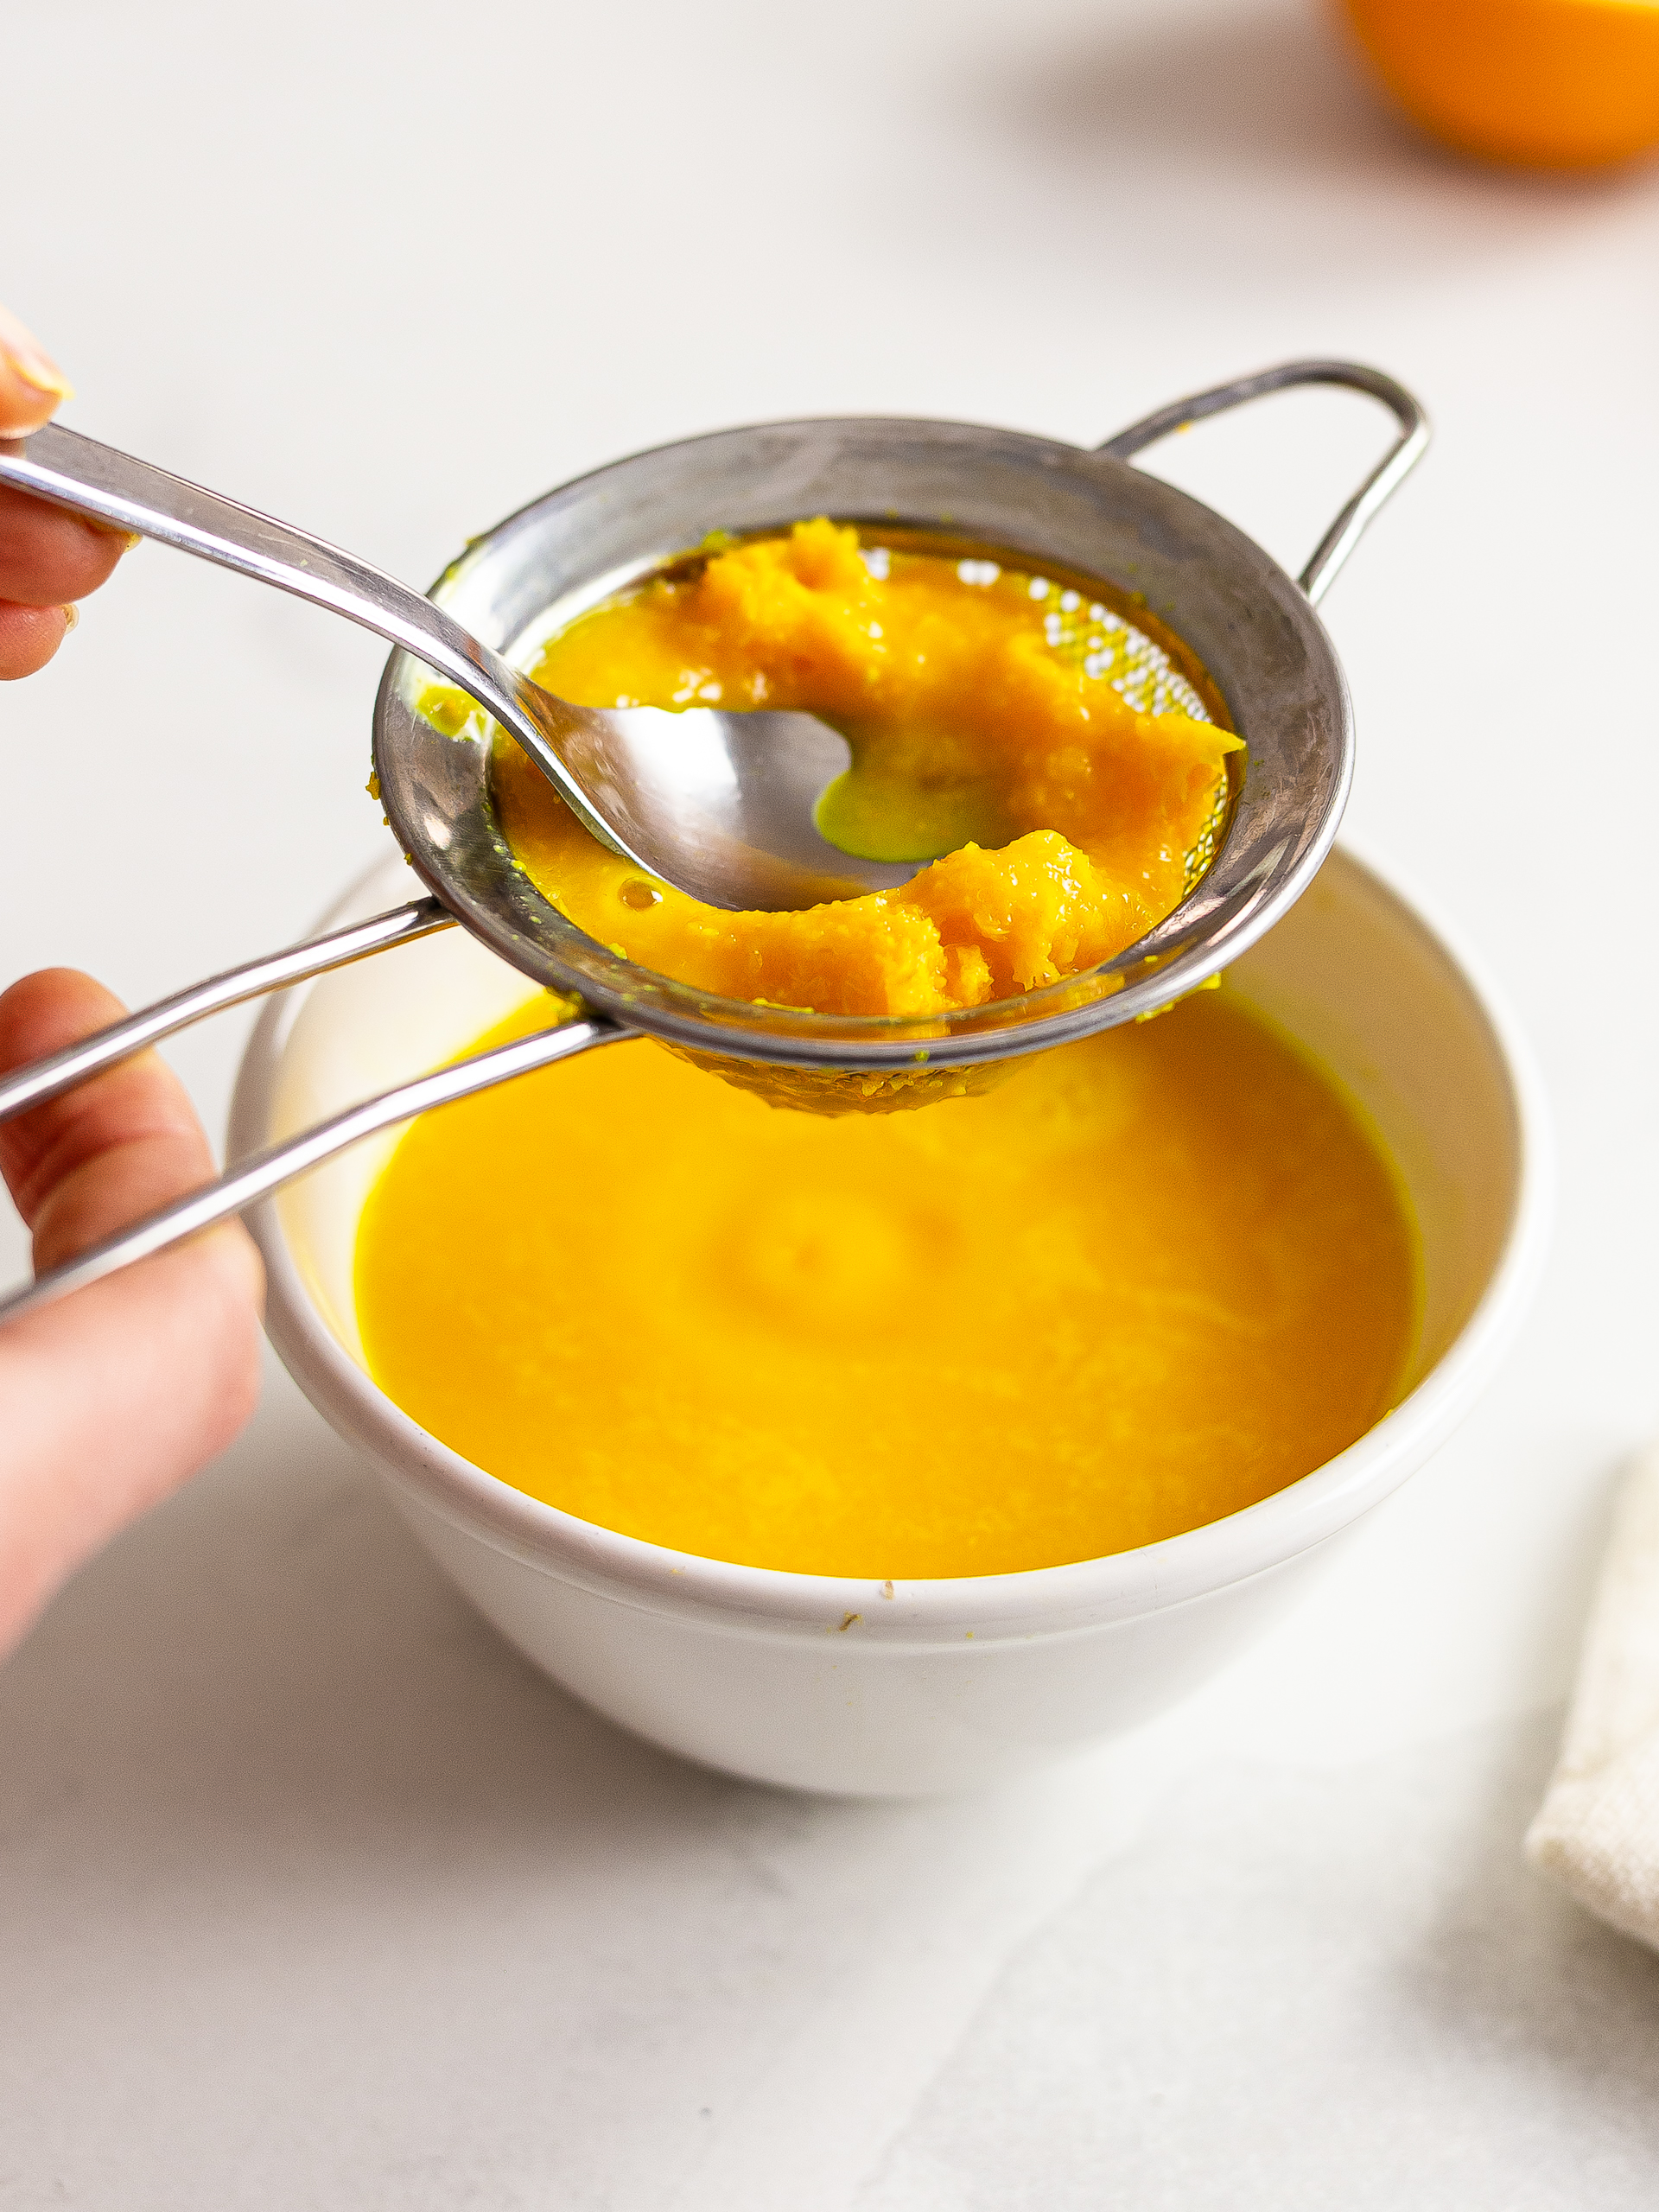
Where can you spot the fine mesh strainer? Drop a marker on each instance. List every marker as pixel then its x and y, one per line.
pixel 1194 612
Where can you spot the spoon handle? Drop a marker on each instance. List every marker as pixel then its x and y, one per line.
pixel 267 1170
pixel 59 1071
pixel 90 479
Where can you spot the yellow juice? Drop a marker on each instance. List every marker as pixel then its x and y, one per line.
pixel 1153 1278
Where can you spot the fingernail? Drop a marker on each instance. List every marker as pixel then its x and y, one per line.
pixel 31 382
pixel 129 538
pixel 71 618
pixel 38 370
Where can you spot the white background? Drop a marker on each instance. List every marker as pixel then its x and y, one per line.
pixel 310 1892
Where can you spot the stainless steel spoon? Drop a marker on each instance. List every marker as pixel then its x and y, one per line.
pixel 720 804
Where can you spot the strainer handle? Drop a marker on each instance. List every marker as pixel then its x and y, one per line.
pixel 263 1171
pixel 1356 517
pixel 59 1071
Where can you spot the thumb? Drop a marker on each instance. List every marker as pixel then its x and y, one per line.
pixel 111 1398
pixel 31 382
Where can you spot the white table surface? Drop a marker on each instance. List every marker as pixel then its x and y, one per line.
pixel 313 1893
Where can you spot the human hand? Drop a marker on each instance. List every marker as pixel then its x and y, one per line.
pixel 112 1398
pixel 49 558
pixel 115 1396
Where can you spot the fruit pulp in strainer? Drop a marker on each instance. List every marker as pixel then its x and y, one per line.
pixel 1068 769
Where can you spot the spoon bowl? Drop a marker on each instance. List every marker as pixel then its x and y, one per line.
pixel 727 802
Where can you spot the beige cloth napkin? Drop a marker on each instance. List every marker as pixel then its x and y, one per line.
pixel 1597 1829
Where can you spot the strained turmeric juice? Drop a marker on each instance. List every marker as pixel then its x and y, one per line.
pixel 1155 1277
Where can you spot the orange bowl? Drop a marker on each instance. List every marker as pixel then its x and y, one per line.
pixel 1548 84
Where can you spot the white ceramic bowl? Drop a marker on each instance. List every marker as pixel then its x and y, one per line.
pixel 823 1683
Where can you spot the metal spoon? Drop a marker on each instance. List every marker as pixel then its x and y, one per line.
pixel 720 804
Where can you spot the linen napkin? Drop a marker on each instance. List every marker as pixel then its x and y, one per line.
pixel 1597 1831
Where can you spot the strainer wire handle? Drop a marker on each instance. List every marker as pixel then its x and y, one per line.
pixel 49 1078
pixel 264 1171
pixel 1356 517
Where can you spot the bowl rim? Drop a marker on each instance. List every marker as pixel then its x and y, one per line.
pixel 429 1475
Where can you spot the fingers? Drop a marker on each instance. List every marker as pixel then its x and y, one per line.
pixel 105 1152
pixel 31 382
pixel 29 636
pixel 48 557
pixel 118 1394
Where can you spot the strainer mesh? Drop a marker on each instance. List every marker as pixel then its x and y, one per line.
pixel 1092 637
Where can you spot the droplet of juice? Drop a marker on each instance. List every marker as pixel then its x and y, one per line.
pixel 634 890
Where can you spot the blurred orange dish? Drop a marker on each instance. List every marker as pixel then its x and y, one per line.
pixel 1549 84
